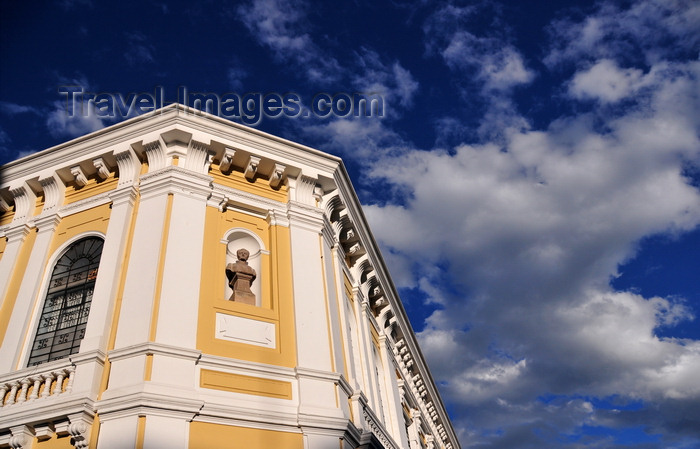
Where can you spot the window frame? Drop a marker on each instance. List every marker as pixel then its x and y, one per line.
pixel 42 294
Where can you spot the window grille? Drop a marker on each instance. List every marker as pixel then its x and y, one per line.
pixel 66 307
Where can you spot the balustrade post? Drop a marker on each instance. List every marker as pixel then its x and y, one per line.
pixel 48 378
pixel 35 389
pixel 13 393
pixel 58 388
pixel 3 392
pixel 23 391
pixel 71 372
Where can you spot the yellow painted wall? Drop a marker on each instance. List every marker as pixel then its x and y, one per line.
pixel 54 442
pixel 237 180
pixel 276 289
pixel 210 436
pixel 6 217
pixel 92 188
pixel 238 383
pixel 95 219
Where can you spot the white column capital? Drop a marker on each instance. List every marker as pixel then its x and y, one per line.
pixel 176 180
pixel 304 216
pixel 128 166
pixel 124 195
pixel 47 223
pixel 17 232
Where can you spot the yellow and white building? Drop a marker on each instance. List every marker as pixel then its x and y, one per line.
pixel 116 326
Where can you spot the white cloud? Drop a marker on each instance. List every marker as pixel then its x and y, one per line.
pixel 607 82
pixel 11 109
pixel 532 227
pixel 498 65
pixel 62 124
pixel 644 30
pixel 63 120
pixel 489 60
pixel 279 25
pixel 392 80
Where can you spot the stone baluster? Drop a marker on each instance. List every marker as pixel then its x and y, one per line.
pixel 48 378
pixel 23 392
pixel 58 388
pixel 13 393
pixel 35 387
pixel 71 372
pixel 3 392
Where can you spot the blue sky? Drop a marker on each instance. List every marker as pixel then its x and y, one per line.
pixel 534 183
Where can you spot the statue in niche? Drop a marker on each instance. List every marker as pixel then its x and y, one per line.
pixel 240 277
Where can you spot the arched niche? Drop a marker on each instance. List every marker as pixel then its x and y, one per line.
pixel 239 238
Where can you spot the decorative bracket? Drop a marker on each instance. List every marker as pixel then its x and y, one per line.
pixel 80 178
pixel 53 193
pixel 155 155
pixel 227 160
pixel 4 206
pixel 252 167
pixel 102 170
pixel 276 177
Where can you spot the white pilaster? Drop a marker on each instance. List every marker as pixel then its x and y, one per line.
pixel 107 283
pixel 16 236
pixel 305 224
pixel 26 297
pixel 118 431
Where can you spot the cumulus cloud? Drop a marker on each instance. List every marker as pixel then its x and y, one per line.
pixel 491 60
pixel 280 26
pixel 73 119
pixel 606 82
pixel 532 228
pixel 643 30
pixel 389 79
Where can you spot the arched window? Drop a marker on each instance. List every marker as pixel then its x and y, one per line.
pixel 67 305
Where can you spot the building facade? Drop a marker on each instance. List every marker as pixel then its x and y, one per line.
pixel 181 281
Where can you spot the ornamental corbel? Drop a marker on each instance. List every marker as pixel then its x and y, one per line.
pixel 199 157
pixel 155 155
pixel 252 167
pixel 21 438
pixel 223 204
pixel 78 176
pixel 79 430
pixel 102 170
pixel 128 166
pixel 227 160
pixel 276 177
pixel 4 205
pixel 23 198
pixel 44 432
pixel 53 192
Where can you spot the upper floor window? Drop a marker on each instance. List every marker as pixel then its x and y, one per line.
pixel 67 305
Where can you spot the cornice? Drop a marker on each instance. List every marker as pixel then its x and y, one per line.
pixel 84 204
pixel 225 363
pixel 16 232
pixel 174 179
pixel 222 197
pixel 153 348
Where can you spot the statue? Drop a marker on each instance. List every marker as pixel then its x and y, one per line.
pixel 240 277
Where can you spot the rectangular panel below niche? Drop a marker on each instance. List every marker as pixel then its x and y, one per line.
pixel 245 330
